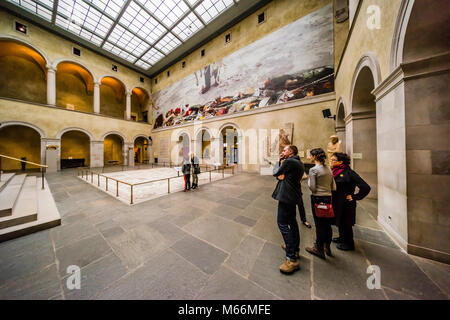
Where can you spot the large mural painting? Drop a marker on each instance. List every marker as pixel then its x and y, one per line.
pixel 291 63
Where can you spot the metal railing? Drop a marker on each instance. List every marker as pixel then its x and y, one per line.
pixel 87 173
pixel 41 166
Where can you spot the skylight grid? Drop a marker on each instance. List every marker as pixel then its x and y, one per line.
pixel 167 11
pixel 140 22
pixel 143 65
pixel 152 56
pixel 126 40
pixel 85 16
pixel 38 7
pixel 187 27
pixel 111 7
pixel 119 52
pixel 168 43
pixel 210 9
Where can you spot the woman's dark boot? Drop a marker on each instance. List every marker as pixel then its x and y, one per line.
pixel 317 251
pixel 327 249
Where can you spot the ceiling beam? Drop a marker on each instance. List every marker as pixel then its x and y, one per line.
pixel 115 21
pixel 55 8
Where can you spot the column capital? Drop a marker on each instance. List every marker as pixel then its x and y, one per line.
pixel 97 83
pixel 50 68
pixel 129 93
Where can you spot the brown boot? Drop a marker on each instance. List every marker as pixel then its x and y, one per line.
pixel 319 252
pixel 327 249
pixel 297 254
pixel 289 267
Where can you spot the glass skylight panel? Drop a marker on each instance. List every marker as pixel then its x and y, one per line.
pixel 168 43
pixel 110 7
pixel 119 52
pixel 142 64
pixel 42 8
pixel 188 26
pixel 192 2
pixel 167 11
pixel 140 22
pixel 210 9
pixel 152 56
pixel 85 16
pixel 126 40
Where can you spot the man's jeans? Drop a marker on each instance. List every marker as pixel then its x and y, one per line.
pixel 289 228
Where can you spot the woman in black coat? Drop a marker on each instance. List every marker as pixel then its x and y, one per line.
pixel 344 198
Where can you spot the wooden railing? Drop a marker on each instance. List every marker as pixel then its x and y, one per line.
pixel 41 166
pixel 86 173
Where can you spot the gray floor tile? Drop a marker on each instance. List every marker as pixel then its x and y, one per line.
pixel 245 221
pixel 227 285
pixel 96 277
pixel 82 253
pixel 159 278
pixel 221 232
pixel 206 257
pixel 266 274
pixel 243 258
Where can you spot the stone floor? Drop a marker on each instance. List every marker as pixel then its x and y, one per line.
pixel 218 242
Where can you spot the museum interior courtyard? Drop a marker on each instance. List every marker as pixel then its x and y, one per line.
pixel 155 150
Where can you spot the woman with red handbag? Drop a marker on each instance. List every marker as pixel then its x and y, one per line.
pixel 321 183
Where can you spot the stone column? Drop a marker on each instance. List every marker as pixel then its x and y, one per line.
pixel 96 152
pixel 128 104
pixel 51 85
pixel 47 156
pixel 128 154
pixel 96 97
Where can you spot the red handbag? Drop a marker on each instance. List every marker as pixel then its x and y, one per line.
pixel 324 210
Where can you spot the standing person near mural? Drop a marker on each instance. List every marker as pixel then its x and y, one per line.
pixel 195 171
pixel 288 194
pixel 186 169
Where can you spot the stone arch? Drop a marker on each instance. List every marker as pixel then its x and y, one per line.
pixel 26 124
pixel 113 132
pixel 239 142
pixel 60 133
pixel 398 39
pixel 114 77
pixel 199 148
pixel 28 44
pixel 57 62
pixel 29 142
pixel 368 60
pixel 340 125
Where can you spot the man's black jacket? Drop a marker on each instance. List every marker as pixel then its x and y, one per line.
pixel 289 190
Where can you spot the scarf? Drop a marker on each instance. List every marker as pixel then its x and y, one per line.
pixel 339 169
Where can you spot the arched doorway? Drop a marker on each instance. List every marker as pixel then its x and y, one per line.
pixel 19 141
pixel 203 145
pixel 24 72
pixel 112 98
pixel 183 147
pixel 74 87
pixel 113 149
pixel 229 145
pixel 75 149
pixel 364 129
pixel 140 105
pixel 141 150
pixel 340 124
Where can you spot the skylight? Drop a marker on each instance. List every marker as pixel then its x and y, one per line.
pixel 141 32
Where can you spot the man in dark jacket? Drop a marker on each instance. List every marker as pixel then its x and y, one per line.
pixel 288 194
pixel 186 169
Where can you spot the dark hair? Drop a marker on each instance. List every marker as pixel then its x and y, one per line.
pixel 293 149
pixel 342 157
pixel 319 154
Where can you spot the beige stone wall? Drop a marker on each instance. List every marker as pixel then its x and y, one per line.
pixel 279 13
pixel 53 120
pixel 22 79
pixel 364 40
pixel 72 90
pixel 111 103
